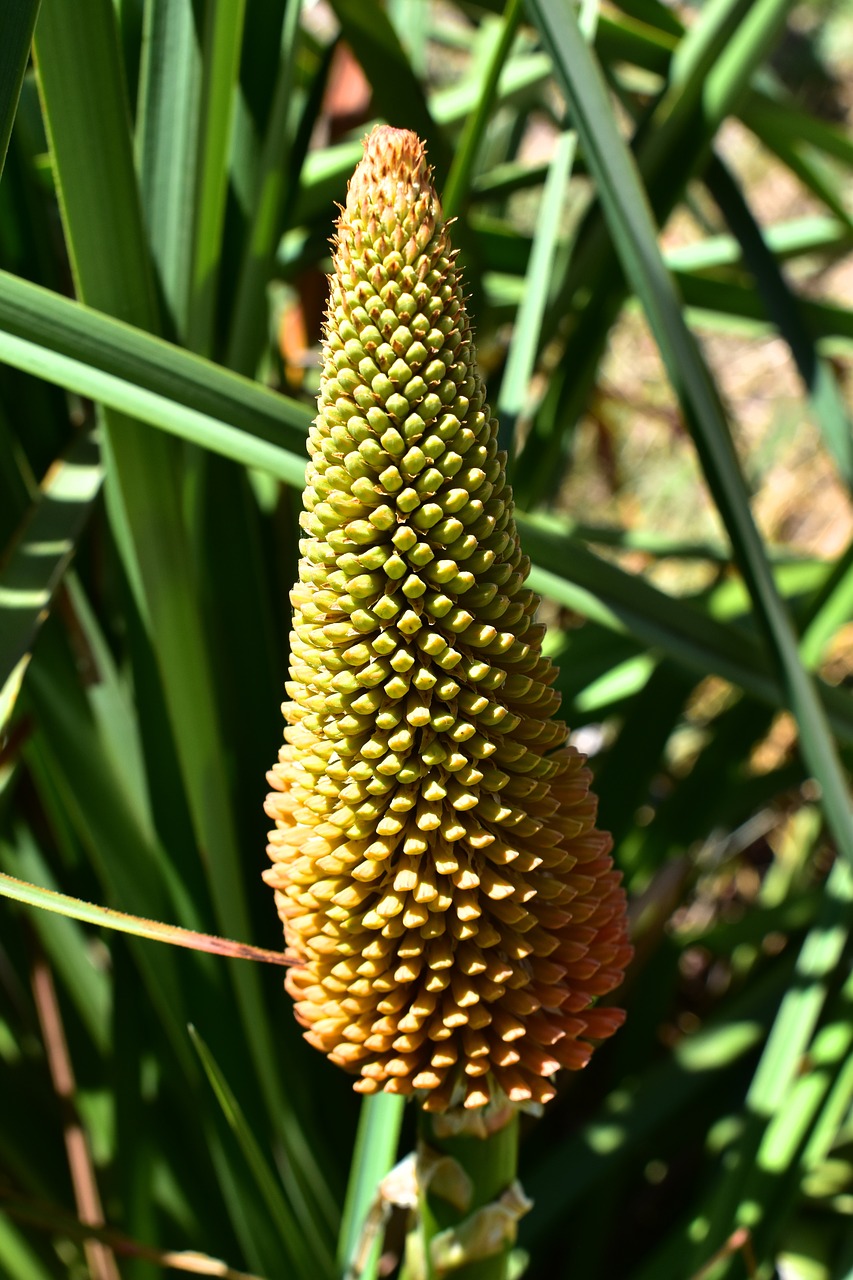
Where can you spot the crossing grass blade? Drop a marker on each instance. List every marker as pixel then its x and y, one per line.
pixel 783 308
pixel 89 337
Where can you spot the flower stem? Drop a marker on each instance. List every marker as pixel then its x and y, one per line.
pixel 461 1213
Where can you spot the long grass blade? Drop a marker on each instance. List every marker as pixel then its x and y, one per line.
pixel 812 234
pixel 273 188
pixel 38 558
pixel 786 118
pixel 633 231
pixel 171 416
pixel 718 55
pixel 830 609
pixel 167 144
pixel 102 233
pixel 220 66
pixel 375 1151
pixel 144 475
pixel 538 282
pixel 537 286
pixel 735 307
pixel 462 169
pixel 783 308
pixel 780 1062
pixel 580 580
pixel 777 136
pixel 66 328
pixel 563 571
pixel 19 22
pixel 306 1254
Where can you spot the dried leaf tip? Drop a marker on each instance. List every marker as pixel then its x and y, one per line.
pixel 449 906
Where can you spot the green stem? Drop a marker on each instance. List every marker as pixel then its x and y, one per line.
pixel 486 1167
pixel 375 1151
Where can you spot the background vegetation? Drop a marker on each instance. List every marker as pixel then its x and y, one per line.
pixel 173 164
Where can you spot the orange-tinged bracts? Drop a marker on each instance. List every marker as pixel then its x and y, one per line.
pixel 450 909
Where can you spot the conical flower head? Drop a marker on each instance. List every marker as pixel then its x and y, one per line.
pixel 450 910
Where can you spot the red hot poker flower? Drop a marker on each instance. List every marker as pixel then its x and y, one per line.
pixel 449 907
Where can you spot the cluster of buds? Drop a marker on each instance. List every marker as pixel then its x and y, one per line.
pixel 450 910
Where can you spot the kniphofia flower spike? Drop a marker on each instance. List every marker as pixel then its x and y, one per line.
pixel 450 909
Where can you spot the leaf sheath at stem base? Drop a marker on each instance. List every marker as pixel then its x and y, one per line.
pixel 468 1198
